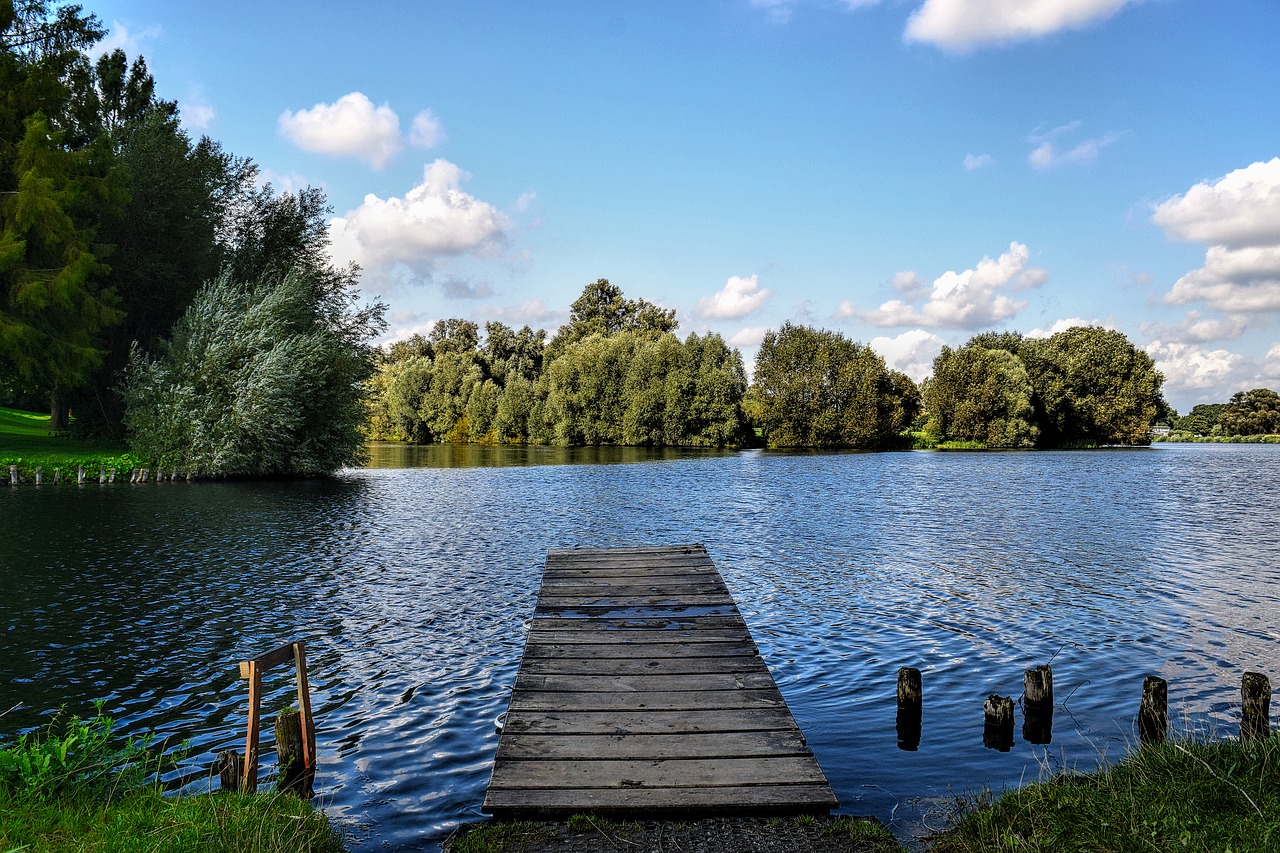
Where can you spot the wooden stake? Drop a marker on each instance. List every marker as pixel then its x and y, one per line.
pixel 111 477
pixel 1153 714
pixel 997 728
pixel 39 473
pixel 1037 705
pixel 1255 706
pixel 291 750
pixel 13 475
pixel 228 767
pixel 102 475
pixel 57 476
pixel 80 475
pixel 910 708
pixel 249 782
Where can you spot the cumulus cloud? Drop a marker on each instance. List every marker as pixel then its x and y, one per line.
pixel 911 352
pixel 962 25
pixel 1048 155
pixel 425 131
pixel 749 337
pixel 533 313
pixel 739 297
pixel 121 36
pixel 1188 367
pixel 963 300
pixel 350 126
pixel 1196 328
pixel 1238 216
pixel 434 221
pixel 1064 324
pixel 197 113
pixel 974 162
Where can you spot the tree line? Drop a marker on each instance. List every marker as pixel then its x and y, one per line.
pixel 130 250
pixel 1247 413
pixel 618 374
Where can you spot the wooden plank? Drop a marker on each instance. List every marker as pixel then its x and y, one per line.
pixel 651 612
pixel 646 683
pixel 761 799
pixel 558 623
pixel 625 650
pixel 663 773
pixel 650 721
pixel 652 747
pixel 630 590
pixel 681 700
pixel 607 636
pixel 608 599
pixel 266 661
pixel 642 666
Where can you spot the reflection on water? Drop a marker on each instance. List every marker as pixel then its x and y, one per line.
pixel 412 586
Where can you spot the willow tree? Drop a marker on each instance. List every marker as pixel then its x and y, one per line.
pixel 980 395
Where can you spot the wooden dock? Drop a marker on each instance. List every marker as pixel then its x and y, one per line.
pixel 641 691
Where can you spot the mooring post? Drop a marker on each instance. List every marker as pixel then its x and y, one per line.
pixel 997 725
pixel 1037 705
pixel 80 475
pixel 39 474
pixel 57 476
pixel 111 476
pixel 13 475
pixel 1153 714
pixel 229 767
pixel 910 708
pixel 102 474
pixel 1255 706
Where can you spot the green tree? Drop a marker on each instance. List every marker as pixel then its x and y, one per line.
pixel 1093 387
pixel 981 395
pixel 1255 412
pixel 603 310
pixel 259 379
pixel 816 388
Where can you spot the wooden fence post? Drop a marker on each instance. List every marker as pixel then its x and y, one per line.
pixel 80 475
pixel 1255 706
pixel 306 744
pixel 13 475
pixel 1153 714
pixel 997 725
pixel 910 708
pixel 1037 705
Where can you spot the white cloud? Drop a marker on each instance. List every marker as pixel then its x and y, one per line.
pixel 435 220
pixel 533 313
pixel 290 183
pixel 1187 367
pixel 425 131
pixel 1197 329
pixel 1238 210
pixel 1047 154
pixel 963 300
pixel 197 113
pixel 131 42
pixel 911 352
pixel 739 297
pixel 350 126
pixel 974 162
pixel 1064 324
pixel 1238 216
pixel 1270 373
pixel 962 25
pixel 749 337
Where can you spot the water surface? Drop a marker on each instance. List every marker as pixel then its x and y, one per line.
pixel 412 583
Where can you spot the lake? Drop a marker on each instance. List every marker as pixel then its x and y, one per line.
pixel 412 583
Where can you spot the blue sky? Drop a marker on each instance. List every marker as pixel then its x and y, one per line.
pixel 909 172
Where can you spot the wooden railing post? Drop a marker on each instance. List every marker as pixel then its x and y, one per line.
pixel 252 670
pixel 249 781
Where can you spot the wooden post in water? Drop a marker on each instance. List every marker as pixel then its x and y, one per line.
pixel 80 475
pixel 1255 706
pixel 997 727
pixel 57 476
pixel 111 476
pixel 229 767
pixel 13 475
pixel 39 474
pixel 1153 714
pixel 291 750
pixel 910 708
pixel 102 474
pixel 1037 705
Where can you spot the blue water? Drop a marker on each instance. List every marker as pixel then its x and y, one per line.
pixel 412 587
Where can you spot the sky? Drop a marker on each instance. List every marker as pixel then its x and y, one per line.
pixel 906 172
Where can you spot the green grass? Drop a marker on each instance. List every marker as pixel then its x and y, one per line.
pixel 27 441
pixel 498 836
pixel 1178 796
pixel 869 834
pixel 145 820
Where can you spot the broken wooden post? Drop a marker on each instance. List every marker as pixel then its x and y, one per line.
pixel 13 475
pixel 80 475
pixel 111 476
pixel 57 476
pixel 1153 714
pixel 39 474
pixel 910 708
pixel 228 767
pixel 1037 705
pixel 102 474
pixel 997 727
pixel 294 775
pixel 1255 706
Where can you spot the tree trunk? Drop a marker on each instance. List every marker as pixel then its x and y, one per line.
pixel 57 417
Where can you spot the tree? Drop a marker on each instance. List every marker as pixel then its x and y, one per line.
pixel 1201 420
pixel 1255 412
pixel 818 389
pixel 1093 387
pixel 980 395
pixel 259 379
pixel 603 310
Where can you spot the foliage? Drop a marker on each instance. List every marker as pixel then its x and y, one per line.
pixel 1093 387
pixel 1177 796
pixel 982 395
pixel 1201 420
pixel 603 310
pixel 818 389
pixel 1255 412
pixel 259 379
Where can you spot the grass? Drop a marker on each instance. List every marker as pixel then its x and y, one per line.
pixel 1177 796
pixel 498 836
pixel 27 441
pixel 72 787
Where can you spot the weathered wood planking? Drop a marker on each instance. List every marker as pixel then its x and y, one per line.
pixel 641 691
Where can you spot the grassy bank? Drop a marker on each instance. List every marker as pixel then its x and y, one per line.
pixel 74 788
pixel 27 441
pixel 1179 796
